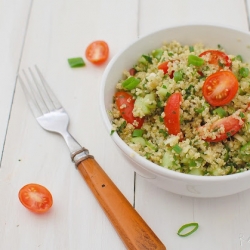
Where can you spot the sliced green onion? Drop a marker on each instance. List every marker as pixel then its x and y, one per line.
pixel 130 83
pixel 193 225
pixel 195 60
pixel 76 62
pixel 178 75
pixel 137 133
pixel 220 112
pixel 177 148
pixel 244 72
pixel 157 54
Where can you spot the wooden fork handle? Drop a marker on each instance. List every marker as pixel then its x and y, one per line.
pixel 132 229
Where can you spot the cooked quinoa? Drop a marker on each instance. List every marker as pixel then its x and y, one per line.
pixel 188 151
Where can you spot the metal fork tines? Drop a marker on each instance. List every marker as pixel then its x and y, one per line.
pixel 49 112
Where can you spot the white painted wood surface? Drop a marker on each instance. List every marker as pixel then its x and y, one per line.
pixel 47 33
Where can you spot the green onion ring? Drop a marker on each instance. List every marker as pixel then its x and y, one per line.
pixel 193 224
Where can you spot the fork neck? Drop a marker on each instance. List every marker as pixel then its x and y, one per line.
pixel 77 152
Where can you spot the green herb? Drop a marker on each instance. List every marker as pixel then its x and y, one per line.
pixel 178 75
pixel 219 46
pixel 147 58
pixel 191 48
pixel 177 148
pixel 112 132
pixel 159 103
pixel 194 226
pixel 157 54
pixel 195 60
pixel 220 112
pixel 243 72
pixel 239 58
pixel 130 83
pixel 76 62
pixel 241 115
pixel 160 119
pixel 168 94
pixel 122 126
pixel 199 110
pixel 221 64
pixel 189 90
pixel 164 132
pixel 137 133
pixel 170 54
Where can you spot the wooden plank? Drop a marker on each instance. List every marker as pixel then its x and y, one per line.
pixel 57 31
pixel 13 19
pixel 223 221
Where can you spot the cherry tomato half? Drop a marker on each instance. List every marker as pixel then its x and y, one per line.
pixel 218 58
pixel 97 52
pixel 36 198
pixel 220 88
pixel 231 127
pixel 125 104
pixel 172 113
pixel 164 66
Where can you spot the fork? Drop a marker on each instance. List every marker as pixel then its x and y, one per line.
pixel 132 229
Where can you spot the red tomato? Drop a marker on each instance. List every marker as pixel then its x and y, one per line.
pixel 97 52
pixel 218 58
pixel 172 114
pixel 125 104
pixel 164 67
pixel 231 126
pixel 36 198
pixel 220 88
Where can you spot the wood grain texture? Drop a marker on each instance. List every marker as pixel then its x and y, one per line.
pixel 132 229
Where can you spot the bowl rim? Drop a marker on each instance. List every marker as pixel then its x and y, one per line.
pixel 134 156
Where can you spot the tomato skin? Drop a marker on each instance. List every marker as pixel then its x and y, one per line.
pixel 164 66
pixel 231 126
pixel 172 114
pixel 217 58
pixel 36 198
pixel 132 71
pixel 126 99
pixel 220 88
pixel 97 52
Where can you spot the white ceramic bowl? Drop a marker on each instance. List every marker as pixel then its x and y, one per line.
pixel 235 42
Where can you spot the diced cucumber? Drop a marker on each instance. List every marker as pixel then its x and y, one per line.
pixel 245 152
pixel 151 145
pixel 196 171
pixel 149 100
pixel 167 160
pixel 145 104
pixel 139 140
pixel 163 93
pixel 140 105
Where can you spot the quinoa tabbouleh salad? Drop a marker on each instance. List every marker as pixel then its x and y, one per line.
pixel 187 108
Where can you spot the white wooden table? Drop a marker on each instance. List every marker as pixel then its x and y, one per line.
pixel 47 32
